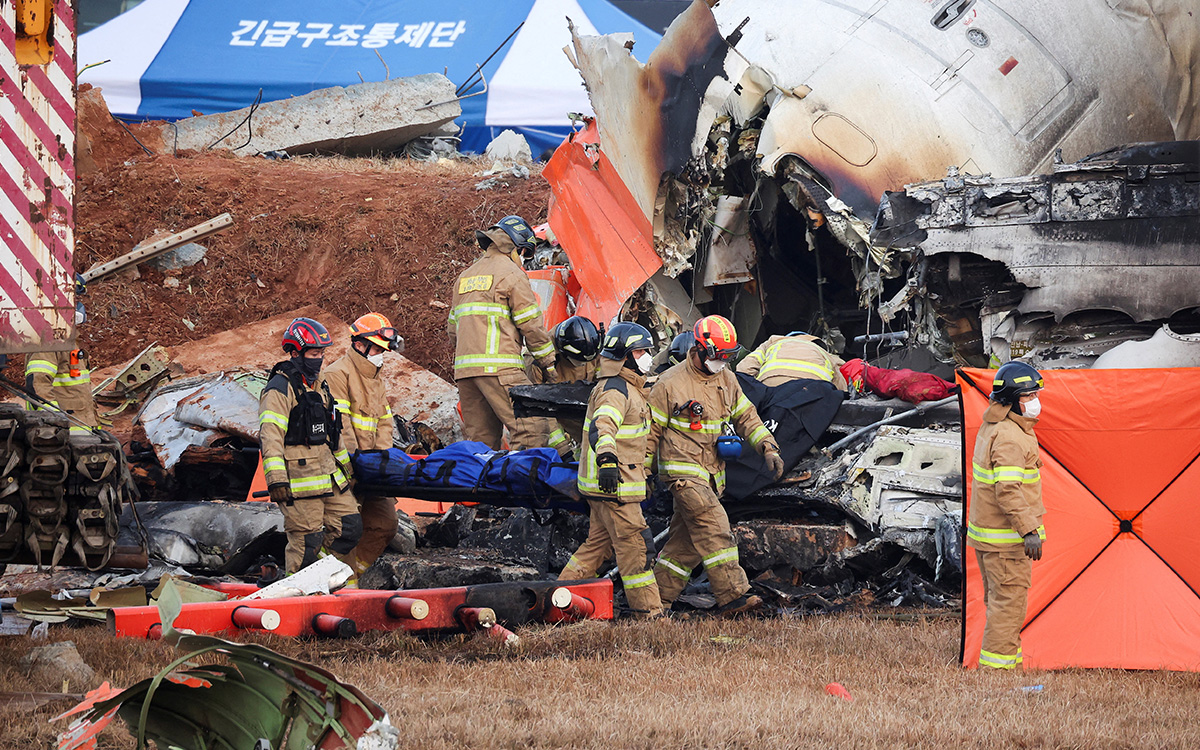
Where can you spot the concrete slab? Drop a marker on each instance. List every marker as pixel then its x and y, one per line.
pixel 365 118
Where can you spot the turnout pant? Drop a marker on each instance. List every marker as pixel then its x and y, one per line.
pixel 1006 579
pixel 379 524
pixel 699 533
pixel 487 409
pixel 312 523
pixel 620 527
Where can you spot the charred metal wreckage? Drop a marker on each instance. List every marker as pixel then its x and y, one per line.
pixel 770 153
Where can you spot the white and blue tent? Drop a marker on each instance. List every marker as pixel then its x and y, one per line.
pixel 167 58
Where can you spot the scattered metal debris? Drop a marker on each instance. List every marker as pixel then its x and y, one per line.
pixel 260 699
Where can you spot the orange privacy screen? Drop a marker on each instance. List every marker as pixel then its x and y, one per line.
pixel 1117 585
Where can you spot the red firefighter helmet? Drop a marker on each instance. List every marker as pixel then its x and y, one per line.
pixel 716 337
pixel 305 333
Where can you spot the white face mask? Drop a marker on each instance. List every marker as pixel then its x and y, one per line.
pixel 714 365
pixel 644 362
pixel 376 359
pixel 1032 408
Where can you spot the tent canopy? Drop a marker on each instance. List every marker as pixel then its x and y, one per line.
pixel 1119 583
pixel 170 57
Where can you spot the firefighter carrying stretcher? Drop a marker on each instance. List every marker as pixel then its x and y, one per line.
pixel 298 432
pixel 612 471
pixel 696 407
pixel 365 421
pixel 493 308
pixel 576 346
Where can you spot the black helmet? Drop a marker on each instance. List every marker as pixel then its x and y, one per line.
pixel 623 338
pixel 518 231
pixel 305 333
pixel 680 346
pixel 1013 380
pixel 578 338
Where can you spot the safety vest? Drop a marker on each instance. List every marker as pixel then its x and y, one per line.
pixel 308 468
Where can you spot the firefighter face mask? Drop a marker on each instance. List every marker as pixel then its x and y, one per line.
pixel 1031 408
pixel 714 365
pixel 376 359
pixel 310 367
pixel 643 361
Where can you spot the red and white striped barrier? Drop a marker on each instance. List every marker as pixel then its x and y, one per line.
pixel 37 178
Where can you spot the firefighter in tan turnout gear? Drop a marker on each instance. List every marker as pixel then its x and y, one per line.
pixel 494 307
pixel 1005 521
pixel 796 356
pixel 612 471
pixel 65 380
pixel 576 346
pixel 692 405
pixel 298 434
pixel 365 418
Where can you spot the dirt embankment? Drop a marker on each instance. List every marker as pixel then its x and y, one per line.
pixel 350 235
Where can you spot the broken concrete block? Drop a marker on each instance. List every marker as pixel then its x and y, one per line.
pixel 509 146
pixel 392 572
pixel 53 664
pixel 360 119
pixel 766 544
pixel 179 258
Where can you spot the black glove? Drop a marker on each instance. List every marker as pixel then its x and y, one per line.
pixel 280 493
pixel 1033 546
pixel 609 476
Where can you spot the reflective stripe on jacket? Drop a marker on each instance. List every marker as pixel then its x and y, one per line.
pixel 308 470
pixel 1006 495
pixel 493 308
pixel 683 452
pixel 52 376
pixel 781 359
pixel 617 422
pixel 360 400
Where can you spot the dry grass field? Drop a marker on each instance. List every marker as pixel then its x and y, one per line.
pixel 697 684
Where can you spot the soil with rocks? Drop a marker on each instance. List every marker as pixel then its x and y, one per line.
pixel 350 235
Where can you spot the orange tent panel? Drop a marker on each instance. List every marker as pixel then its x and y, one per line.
pixel 1119 584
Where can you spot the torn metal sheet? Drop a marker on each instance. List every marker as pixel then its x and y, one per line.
pixel 900 485
pixel 1165 348
pixel 169 436
pixel 1038 260
pixel 731 253
pixel 229 403
pixel 591 208
pixel 907 478
pixel 210 535
pixel 258 698
pixel 321 577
